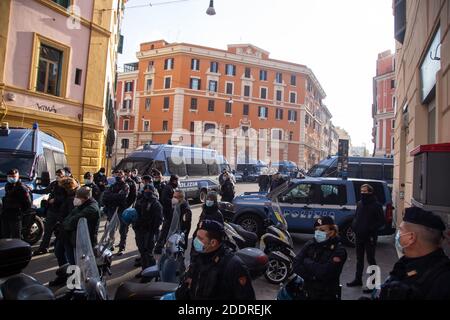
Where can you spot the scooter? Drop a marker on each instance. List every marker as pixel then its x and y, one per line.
pixel 238 238
pixel 32 227
pixel 278 245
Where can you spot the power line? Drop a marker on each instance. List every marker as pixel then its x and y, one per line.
pixel 154 4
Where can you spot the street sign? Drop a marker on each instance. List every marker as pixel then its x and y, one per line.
pixel 342 166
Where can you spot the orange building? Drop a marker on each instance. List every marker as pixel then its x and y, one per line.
pixel 383 106
pixel 238 101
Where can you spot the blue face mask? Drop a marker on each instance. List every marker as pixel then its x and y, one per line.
pixel 199 246
pixel 12 180
pixel 209 203
pixel 320 236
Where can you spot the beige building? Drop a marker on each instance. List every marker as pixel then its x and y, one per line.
pixel 423 85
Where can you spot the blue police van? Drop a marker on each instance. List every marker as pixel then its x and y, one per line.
pixel 304 200
pixel 37 156
pixel 197 168
pixel 287 169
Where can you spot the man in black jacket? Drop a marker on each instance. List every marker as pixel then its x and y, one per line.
pixel 227 189
pixel 369 218
pixel 89 182
pixel 146 227
pixel 158 181
pixel 217 274
pixel 277 180
pixel 101 180
pixel 15 203
pixel 166 201
pixel 56 198
pixel 131 199
pixel 179 199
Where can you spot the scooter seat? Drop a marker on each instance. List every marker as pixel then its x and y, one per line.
pixel 250 237
pixel 144 291
pixel 24 287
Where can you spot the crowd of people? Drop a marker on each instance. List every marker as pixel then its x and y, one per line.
pixel 214 271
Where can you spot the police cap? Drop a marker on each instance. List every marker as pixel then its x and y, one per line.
pixel 212 226
pixel 324 221
pixel 425 218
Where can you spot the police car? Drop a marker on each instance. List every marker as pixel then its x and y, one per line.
pixel 304 200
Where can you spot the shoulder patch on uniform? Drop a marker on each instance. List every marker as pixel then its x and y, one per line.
pixel 337 259
pixel 243 280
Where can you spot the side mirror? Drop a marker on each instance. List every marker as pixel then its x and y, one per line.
pixel 45 179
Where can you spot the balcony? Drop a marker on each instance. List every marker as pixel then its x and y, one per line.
pixel 125 111
pixel 130 67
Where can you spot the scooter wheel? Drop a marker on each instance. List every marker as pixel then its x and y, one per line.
pixel 277 271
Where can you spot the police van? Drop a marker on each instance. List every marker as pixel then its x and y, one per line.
pixel 304 200
pixel 197 168
pixel 37 156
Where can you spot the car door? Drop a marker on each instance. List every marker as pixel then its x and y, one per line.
pixel 297 206
pixel 333 201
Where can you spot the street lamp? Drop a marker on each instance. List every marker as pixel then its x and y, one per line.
pixel 211 11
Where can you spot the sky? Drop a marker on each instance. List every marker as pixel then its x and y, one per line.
pixel 338 40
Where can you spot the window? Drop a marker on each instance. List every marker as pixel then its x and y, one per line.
pixel 389 169
pixel 292 115
pixel 246 91
pixel 293 97
pixel 228 107
pixel 302 193
pixel 169 64
pixel 194 102
pixel 392 84
pixel 128 86
pixel 212 85
pixel 263 75
pixel 167 81
pixel 279 77
pixel 166 102
pixel 165 126
pixel 126 124
pixel 125 143
pixel 332 194
pixel 279 95
pixel 209 127
pixel 400 20
pixel 291 135
pixel 262 112
pixel 147 104
pixel 150 65
pixel 63 3
pixel 293 80
pixel 149 85
pixel 248 73
pixel 146 126
pixel 230 70
pixel 78 73
pixel 195 84
pixel 195 65
pixel 49 74
pixel 214 67
pixel 372 171
pixel 263 93
pixel 60 159
pixel 229 88
pixel 192 126
pixel 393 124
pixel 277 134
pixel 126 104
pixel 279 114
pixel 176 166
pixel 211 104
pixel 306 120
pixel 245 110
pixel 378 190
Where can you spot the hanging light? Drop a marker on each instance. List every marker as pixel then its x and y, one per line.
pixel 211 11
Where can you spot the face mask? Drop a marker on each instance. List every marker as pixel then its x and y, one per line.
pixel 174 201
pixel 365 196
pixel 77 202
pixel 12 180
pixel 101 174
pixel 87 181
pixel 199 246
pixel 148 195
pixel 398 245
pixel 118 179
pixel 209 203
pixel 320 236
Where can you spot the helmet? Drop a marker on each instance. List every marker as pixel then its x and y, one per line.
pixel 129 215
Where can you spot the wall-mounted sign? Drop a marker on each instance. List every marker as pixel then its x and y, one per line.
pixel 430 67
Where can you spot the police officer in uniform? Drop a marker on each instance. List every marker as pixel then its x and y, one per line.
pixel 423 273
pixel 217 274
pixel 320 262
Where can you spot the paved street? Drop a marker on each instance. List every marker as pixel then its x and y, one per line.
pixel 43 267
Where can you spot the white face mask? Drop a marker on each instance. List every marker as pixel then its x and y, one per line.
pixel 175 201
pixel 77 202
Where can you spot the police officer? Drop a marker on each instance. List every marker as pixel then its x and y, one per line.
pixel 217 274
pixel 131 199
pixel 57 196
pixel 166 200
pixel 227 188
pixel 277 180
pixel 369 217
pixel 135 176
pixel 89 182
pixel 158 181
pixel 264 181
pixel 221 176
pixel 101 180
pixel 320 262
pixel 15 203
pixel 423 273
pixel 146 228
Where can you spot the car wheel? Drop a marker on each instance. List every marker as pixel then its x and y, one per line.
pixel 202 197
pixel 277 271
pixel 34 231
pixel 252 223
pixel 348 235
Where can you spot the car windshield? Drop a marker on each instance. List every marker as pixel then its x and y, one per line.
pixel 23 163
pixel 317 171
pixel 142 165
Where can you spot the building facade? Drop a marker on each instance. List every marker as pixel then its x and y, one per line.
pixel 383 105
pixel 238 101
pixel 423 86
pixel 57 68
